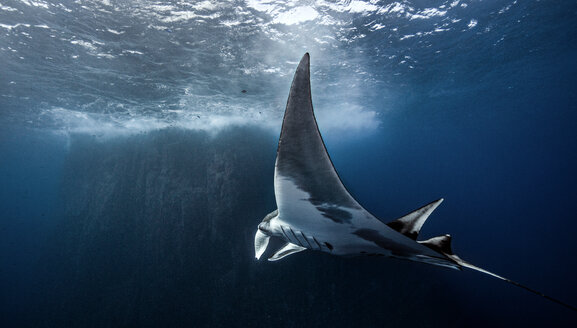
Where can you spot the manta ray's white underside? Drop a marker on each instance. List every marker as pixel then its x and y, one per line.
pixel 316 212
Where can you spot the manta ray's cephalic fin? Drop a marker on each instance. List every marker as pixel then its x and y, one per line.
pixel 285 251
pixel 260 243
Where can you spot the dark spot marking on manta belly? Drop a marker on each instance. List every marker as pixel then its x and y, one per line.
pixel 375 236
pixel 336 214
pixel 399 227
pixel 369 235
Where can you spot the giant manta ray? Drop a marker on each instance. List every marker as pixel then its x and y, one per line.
pixel 316 212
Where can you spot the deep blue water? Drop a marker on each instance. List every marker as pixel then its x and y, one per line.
pixel 472 101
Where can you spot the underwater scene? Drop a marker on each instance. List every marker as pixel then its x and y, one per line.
pixel 139 138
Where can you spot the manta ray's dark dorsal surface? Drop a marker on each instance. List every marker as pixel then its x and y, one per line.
pixel 316 212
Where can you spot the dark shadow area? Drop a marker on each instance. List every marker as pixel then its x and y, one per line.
pixel 158 231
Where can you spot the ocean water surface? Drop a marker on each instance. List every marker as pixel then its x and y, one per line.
pixel 137 148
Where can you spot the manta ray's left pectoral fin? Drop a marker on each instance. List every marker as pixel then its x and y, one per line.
pixel 285 251
pixel 410 224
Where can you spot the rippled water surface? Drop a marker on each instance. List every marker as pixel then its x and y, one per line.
pixel 96 65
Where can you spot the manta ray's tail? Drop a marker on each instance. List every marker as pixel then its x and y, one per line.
pixel 442 244
pixel 476 268
pixel 410 226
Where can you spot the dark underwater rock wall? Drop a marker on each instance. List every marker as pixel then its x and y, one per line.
pixel 158 232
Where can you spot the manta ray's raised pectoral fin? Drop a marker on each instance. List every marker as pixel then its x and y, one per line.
pixel 410 224
pixel 285 251
pixel 304 173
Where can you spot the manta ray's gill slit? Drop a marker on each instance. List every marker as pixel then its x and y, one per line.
pixel 307 240
pixel 286 235
pixel 316 242
pixel 300 243
pixel 291 236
